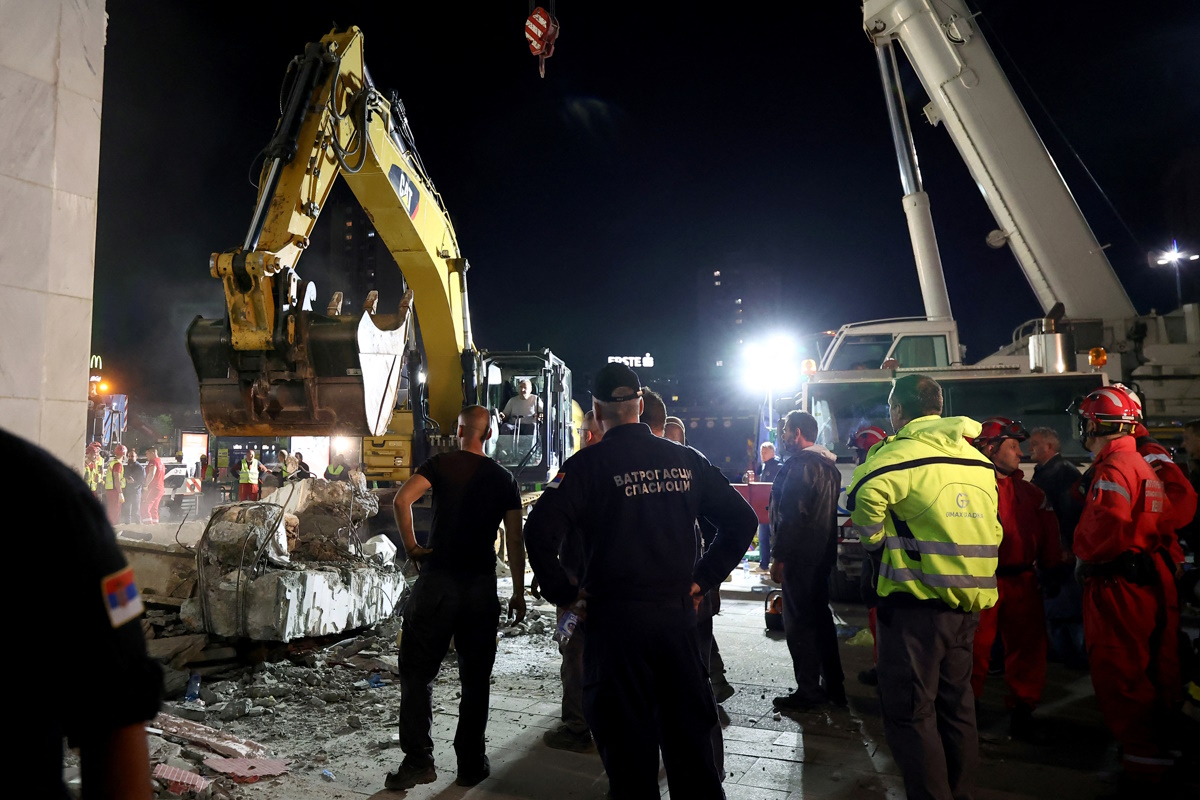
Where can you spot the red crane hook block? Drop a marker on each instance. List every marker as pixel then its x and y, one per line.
pixel 541 31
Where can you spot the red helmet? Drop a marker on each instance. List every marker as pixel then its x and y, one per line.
pixel 1137 401
pixel 1111 409
pixel 93 446
pixel 119 451
pixel 866 437
pixel 997 429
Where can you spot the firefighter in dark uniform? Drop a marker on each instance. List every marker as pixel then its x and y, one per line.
pixel 95 589
pixel 633 500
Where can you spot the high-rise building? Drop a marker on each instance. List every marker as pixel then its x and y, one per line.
pixel 355 253
pixel 737 302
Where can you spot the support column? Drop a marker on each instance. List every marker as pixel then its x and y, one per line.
pixel 51 81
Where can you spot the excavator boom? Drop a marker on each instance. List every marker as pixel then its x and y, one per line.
pixel 273 365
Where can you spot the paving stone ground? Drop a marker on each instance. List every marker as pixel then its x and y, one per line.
pixel 835 754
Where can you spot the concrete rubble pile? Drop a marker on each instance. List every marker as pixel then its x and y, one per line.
pixel 315 709
pixel 258 581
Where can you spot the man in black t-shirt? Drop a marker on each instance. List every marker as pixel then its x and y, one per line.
pixel 94 589
pixel 456 596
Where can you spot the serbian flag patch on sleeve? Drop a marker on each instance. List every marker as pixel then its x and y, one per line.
pixel 122 599
pixel 557 480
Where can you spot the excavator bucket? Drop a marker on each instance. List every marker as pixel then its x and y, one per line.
pixel 331 375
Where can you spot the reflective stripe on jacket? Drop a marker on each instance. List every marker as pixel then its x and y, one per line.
pixel 928 500
pixel 1124 506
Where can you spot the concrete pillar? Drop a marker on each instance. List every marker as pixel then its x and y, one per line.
pixel 51 80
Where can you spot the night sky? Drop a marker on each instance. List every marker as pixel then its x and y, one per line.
pixel 665 138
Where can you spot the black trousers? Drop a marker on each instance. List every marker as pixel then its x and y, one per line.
pixel 443 606
pixel 811 634
pixel 925 660
pixel 645 689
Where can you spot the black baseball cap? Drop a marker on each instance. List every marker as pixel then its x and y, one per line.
pixel 614 376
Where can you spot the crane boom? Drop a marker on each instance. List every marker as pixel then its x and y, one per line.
pixel 1036 213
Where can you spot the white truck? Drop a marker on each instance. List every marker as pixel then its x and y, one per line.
pixel 1090 333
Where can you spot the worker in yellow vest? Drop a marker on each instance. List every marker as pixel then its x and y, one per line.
pixel 93 469
pixel 114 484
pixel 925 506
pixel 337 471
pixel 248 477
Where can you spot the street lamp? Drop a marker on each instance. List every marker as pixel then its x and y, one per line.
pixel 1174 257
pixel 771 366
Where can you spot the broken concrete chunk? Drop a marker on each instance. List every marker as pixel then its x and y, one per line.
pixel 235 709
pixel 192 711
pixel 161 750
pixel 353 721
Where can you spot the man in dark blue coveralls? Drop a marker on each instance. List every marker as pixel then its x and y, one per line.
pixel 633 500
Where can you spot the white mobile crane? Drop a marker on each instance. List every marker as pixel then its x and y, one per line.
pixel 1085 306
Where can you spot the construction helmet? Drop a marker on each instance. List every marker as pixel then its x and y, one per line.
pixel 1133 396
pixel 997 429
pixel 94 446
pixel 866 437
pixel 119 451
pixel 1111 410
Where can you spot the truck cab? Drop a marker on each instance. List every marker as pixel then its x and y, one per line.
pixel 912 342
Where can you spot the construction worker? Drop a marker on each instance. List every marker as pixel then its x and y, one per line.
pixel 153 487
pixel 1125 607
pixel 924 503
pixel 248 477
pixel 93 469
pixel 207 475
pixel 114 484
pixel 1030 545
pixel 337 471
pixel 455 597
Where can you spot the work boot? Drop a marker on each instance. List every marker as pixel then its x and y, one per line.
pixel 722 691
pixel 563 738
pixel 409 775
pixel 477 774
pixel 837 695
pixel 869 677
pixel 797 702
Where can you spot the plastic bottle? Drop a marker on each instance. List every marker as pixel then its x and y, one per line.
pixel 193 688
pixel 745 568
pixel 566 626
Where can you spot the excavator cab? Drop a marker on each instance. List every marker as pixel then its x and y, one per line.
pixel 533 447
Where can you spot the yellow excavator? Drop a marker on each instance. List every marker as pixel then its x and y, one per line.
pixel 275 367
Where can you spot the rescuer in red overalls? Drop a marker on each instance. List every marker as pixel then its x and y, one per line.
pixel 1180 510
pixel 1125 615
pixel 1030 544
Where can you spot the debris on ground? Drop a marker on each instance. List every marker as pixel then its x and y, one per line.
pixel 306 706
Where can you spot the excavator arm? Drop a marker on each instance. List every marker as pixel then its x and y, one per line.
pixel 273 366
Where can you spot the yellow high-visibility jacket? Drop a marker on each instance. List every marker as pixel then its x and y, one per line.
pixel 928 499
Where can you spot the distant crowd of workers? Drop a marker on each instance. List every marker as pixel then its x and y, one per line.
pixel 637 531
pixel 132 491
